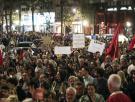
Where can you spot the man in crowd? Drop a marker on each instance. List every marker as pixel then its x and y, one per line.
pixel 130 89
pixel 114 83
pixel 79 90
pixel 70 94
pixel 87 78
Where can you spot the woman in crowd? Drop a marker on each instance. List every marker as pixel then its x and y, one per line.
pixel 92 95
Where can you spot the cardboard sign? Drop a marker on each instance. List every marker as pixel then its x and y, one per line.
pixel 62 50
pixel 96 46
pixel 78 41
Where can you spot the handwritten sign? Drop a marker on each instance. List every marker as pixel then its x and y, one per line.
pixel 96 46
pixel 62 50
pixel 78 41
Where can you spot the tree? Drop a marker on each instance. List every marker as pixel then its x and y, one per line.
pixel 43 5
pixel 7 7
pixel 68 15
pixel 33 5
pixel 1 14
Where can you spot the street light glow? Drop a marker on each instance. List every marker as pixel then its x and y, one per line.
pixel 85 23
pixel 128 24
pixel 74 10
pixel 17 11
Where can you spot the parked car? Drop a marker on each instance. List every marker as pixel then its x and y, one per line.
pixel 24 45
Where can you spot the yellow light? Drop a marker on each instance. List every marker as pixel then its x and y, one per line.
pixel 128 24
pixel 17 11
pixel 74 10
pixel 85 23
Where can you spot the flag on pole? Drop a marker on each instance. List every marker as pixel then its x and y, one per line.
pixel 113 49
pixel 132 44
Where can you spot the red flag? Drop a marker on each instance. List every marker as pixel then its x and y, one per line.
pixel 113 49
pixel 1 58
pixel 132 44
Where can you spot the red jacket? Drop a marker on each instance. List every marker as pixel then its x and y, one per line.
pixel 118 97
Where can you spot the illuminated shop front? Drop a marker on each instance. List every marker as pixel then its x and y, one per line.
pixel 42 22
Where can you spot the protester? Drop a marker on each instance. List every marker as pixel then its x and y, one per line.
pixel 123 80
pixel 91 95
pixel 101 83
pixel 130 89
pixel 38 74
pixel 114 84
pixel 87 78
pixel 79 90
pixel 70 94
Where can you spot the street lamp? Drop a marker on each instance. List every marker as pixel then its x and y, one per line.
pixel 17 11
pixel 128 24
pixel 74 10
pixel 85 23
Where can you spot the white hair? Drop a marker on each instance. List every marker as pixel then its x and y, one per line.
pixel 115 81
pixel 130 69
pixel 28 100
pixel 71 88
pixel 72 77
pixel 12 98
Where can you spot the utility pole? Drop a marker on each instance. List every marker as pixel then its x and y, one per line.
pixel 10 15
pixel 133 10
pixel 62 7
pixel 33 23
pixel 20 12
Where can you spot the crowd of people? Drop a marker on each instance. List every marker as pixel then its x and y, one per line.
pixel 43 76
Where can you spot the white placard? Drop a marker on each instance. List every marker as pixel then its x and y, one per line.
pixel 96 46
pixel 78 41
pixel 62 50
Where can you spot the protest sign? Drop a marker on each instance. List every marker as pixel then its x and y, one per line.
pixel 78 41
pixel 96 46
pixel 62 50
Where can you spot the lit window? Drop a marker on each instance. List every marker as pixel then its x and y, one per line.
pixel 129 8
pixel 123 8
pixel 112 9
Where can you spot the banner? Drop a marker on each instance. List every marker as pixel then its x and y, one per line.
pixel 62 50
pixel 96 46
pixel 113 49
pixel 78 41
